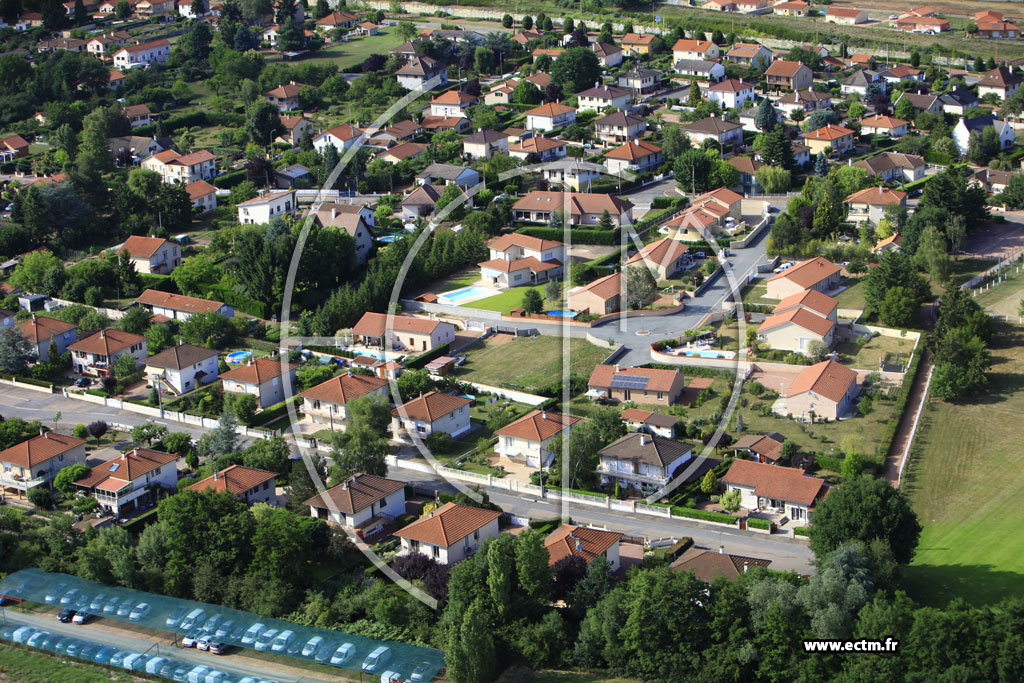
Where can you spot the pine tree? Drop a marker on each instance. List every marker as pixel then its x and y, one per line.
pixel 285 9
pixel 605 223
pixel 322 9
pixel 766 118
pixel 306 143
pixel 821 165
pixel 709 484
pixel 695 99
pixel 131 284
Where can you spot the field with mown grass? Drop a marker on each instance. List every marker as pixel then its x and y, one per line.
pixel 21 665
pixel 965 480
pixel 528 362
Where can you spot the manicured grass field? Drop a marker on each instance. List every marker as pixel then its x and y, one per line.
pixel 507 300
pixel 356 50
pixel 868 356
pixel 853 295
pixel 528 362
pixel 1003 298
pixel 965 480
pixel 28 666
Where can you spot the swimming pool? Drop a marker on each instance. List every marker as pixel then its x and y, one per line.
pixel 238 356
pixel 388 239
pixel 706 354
pixel 562 314
pixel 457 297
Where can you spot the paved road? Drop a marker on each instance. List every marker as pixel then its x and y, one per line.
pixel 642 198
pixel 113 634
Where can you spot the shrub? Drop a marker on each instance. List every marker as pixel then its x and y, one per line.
pixel 707 515
pixel 439 442
pixel 756 523
pixel 80 432
pixel 730 500
pixel 412 566
pixel 41 497
pixel 680 547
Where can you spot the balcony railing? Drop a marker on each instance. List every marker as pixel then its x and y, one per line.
pixel 16 481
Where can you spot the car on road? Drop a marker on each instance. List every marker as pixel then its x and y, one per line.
pixel 69 597
pixel 140 611
pixel 55 593
pixel 312 645
pixel 344 653
pixel 377 659
pixel 81 618
pixel 192 619
pixel 37 638
pixel 253 633
pixel 176 615
pixel 283 640
pixel 66 615
pixel 83 382
pixel 263 642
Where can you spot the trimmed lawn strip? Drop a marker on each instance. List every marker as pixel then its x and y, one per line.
pixel 507 300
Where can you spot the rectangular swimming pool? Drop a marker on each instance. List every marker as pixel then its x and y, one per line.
pixel 457 297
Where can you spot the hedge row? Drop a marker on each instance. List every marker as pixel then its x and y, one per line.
pixel 330 350
pixel 274 412
pixel 757 523
pixel 190 120
pixel 577 235
pixel 801 531
pixel 228 180
pixel 424 358
pixel 240 303
pixel 706 515
pixel 882 452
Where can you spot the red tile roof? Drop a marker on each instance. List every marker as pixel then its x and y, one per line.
pixel 138 246
pixel 829 379
pixel 344 388
pixel 431 406
pixel 234 479
pixel 107 342
pixel 178 302
pixel 448 524
pixel 584 542
pixel 356 493
pixel 774 481
pixel 801 318
pixel 658 379
pixel 41 328
pixel 39 449
pixel 808 273
pixel 258 371
pixel 373 324
pixel 538 425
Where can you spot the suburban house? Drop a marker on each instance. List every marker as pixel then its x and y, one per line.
pixel 363 503
pixel 182 368
pixel 644 386
pixel 96 354
pixel 860 80
pixel 286 96
pixel 784 490
pixel 993 25
pixel 419 72
pixel 725 133
pixel 993 181
pixel 262 378
pixel 420 202
pixel 825 390
pixel 870 204
pixel 817 273
pixel 550 116
pixel 517 259
pixel 138 115
pixel 806 100
pixel 401 152
pixel 295 127
pixel 528 439
pixel 584 208
pixel 336 20
pixel 130 481
pixel 700 68
pixel 182 168
pixel 203 195
pixel 966 127
pixel 247 484
pixel 348 218
pixel 958 100
pixel 894 166
pixel 452 103
pixel 450 533
pixel 640 81
pixel 403 332
pixel 920 24
pixel 922 102
pixel 731 93
pixel 13 147
pixel 791 8
pixel 1000 81
pixel 846 16
pixel 448 174
pixel 783 74
pixel 747 53
pixel 584 542
pixel 602 96
pixel 483 144
pixel 833 137
pixel 36 461
pixel 326 402
pixel 664 258
pixel 637 43
pixel 432 412
pixel 763 448
pixel 600 297
pixel 541 148
pixel 795 328
pixel 695 49
pixel 619 127
pixel 707 565
pixel 747 168
pixel 150 52
pixel 902 74
pixel 639 420
pixel 152 254
pixel 608 54
pixel 809 300
pixel 636 156
pixel 259 210
pixel 342 137
pixel 639 459
pixel 179 306
pixel 40 331
pixel 891 243
pixel 129 149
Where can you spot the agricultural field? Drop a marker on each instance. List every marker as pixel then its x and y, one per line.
pixel 527 362
pixel 964 480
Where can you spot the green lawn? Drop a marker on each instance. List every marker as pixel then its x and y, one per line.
pixel 1005 297
pixel 853 295
pixel 457 281
pixel 507 300
pixel 32 666
pixel 869 355
pixel 965 480
pixel 528 362
pixel 356 50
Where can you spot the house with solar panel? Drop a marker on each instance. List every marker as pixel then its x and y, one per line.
pixel 644 386
pixel 130 481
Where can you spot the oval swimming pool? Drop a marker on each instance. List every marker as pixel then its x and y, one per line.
pixel 238 356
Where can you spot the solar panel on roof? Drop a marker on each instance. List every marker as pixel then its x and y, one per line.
pixel 629 382
pixel 113 468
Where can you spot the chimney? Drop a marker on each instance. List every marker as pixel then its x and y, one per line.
pixel 43 433
pixel 579 546
pixel 102 334
pixel 746 566
pixel 643 439
pixel 543 414
pixel 721 550
pixel 135 451
pixel 216 474
pixel 334 212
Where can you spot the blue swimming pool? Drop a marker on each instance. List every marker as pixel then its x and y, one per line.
pixel 562 314
pixel 707 354
pixel 239 356
pixel 457 297
pixel 388 239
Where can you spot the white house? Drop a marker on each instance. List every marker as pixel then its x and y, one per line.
pixel 450 533
pixel 150 52
pixel 96 354
pixel 177 168
pixel 342 137
pixel 429 413
pixel 203 195
pixel 695 49
pixel 403 332
pixel 640 459
pixel 731 93
pixel 601 96
pixel 264 378
pixel 247 484
pixel 583 542
pixel 528 439
pixel 452 103
pixel 179 306
pixel 966 127
pixel 40 331
pixel 364 503
pixel 550 116
pixel 128 482
pixel 261 209
pixel 182 368
pixel 152 254
pixel 422 71
pixel 327 402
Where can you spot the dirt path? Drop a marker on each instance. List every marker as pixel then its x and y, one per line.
pixel 908 423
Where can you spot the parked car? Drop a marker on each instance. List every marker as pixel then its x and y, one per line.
pixel 104 654
pixel 225 628
pixel 135 662
pixel 82 602
pixel 216 647
pixel 191 620
pixel 118 658
pixel 90 651
pixel 66 615
pixel 211 624
pixel 82 618
pixel 203 643
pixel 263 641
pixel 253 633
pixel 54 594
pixel 111 607
pixel 323 654
pixel 176 615
pixel 69 597
pixel 154 665
pixel 140 611
pixel 191 639
pixel 125 608
pixel 96 604
pixel 37 638
pixel 344 653
pixel 198 674
pixel 377 659
pixel 61 645
pixel 311 645
pixel 283 640
pixel 75 647
pixel 422 672
pixel 391 677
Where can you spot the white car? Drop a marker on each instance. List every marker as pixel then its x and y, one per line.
pixel 139 611
pixel 253 633
pixel 97 603
pixel 191 620
pixel 391 677
pixel 263 642
pixel 69 597
pixel 192 639
pixel 344 653
pixel 22 634
pixel 129 661
pixel 283 640
pixel 198 674
pixel 154 665
pixel 376 659
pixel 311 646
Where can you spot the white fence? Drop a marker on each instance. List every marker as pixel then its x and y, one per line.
pixel 510 394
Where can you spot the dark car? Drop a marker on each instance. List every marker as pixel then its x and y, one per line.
pixel 104 655
pixel 66 615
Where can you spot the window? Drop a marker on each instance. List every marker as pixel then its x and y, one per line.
pixel 476 535
pixel 436 552
pixel 60 458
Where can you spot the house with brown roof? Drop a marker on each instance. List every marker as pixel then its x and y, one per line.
pixel 639 459
pixel 916 24
pixel 528 439
pixel 636 156
pixel 638 420
pixel 783 74
pixel 152 254
pixel 825 390
pixel 179 306
pixel 36 461
pixel 878 124
pixel 341 137
pixel 923 102
pixel 570 540
pixel 664 257
pixel 731 93
pixel 286 96
pixel 483 144
pixel 539 147
pixel 450 533
pixel 783 490
pixel 429 413
pixel 517 260
pixel 870 204
pixel 40 331
pixel 422 71
pixel 202 195
pixel 891 243
pixel 894 166
pixel 817 273
pixel 585 208
pixel 150 52
pixel 762 448
pixel 131 481
pixel 747 168
pixel 640 81
pixel 264 378
pixel 619 127
pixel 846 16
pixel 600 297
pixel 644 386
pixel 138 115
pixel 401 152
pixel 295 127
pixel 550 116
pixel 808 100
pixel 403 332
pixel 327 402
pixel 364 503
pixel 708 565
pixel 725 133
pixel 791 8
pixel 13 147
pixel 637 43
pixel 695 49
pixel 336 20
pixel 830 137
pixel 747 53
pixel 452 103
pixel 795 329
pixel 182 368
pixel 1001 81
pixel 602 96
pixel 349 219
pixel 247 484
pixel 177 168
pixel 96 354
pixel 993 25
